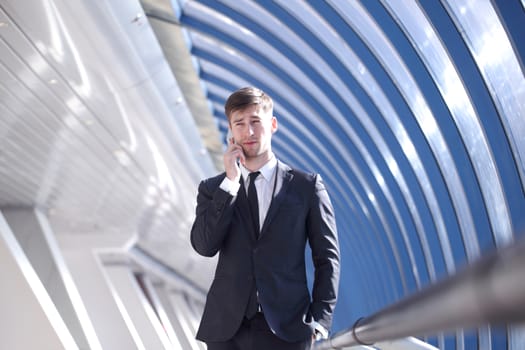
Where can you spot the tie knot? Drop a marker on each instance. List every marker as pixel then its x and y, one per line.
pixel 253 175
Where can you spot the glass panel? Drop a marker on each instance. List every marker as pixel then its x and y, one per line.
pixel 486 38
pixel 431 50
pixel 357 17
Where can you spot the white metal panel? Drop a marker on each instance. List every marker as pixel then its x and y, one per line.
pixel 135 308
pixel 94 129
pixel 25 303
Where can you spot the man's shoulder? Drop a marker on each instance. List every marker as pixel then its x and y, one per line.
pixel 300 174
pixel 214 181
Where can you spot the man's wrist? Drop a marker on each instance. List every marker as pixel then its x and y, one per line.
pixel 232 187
pixel 319 331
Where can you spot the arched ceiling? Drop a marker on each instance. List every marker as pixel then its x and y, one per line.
pixel 413 112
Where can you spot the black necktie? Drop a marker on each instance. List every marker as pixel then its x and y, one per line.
pixel 252 200
pixel 253 305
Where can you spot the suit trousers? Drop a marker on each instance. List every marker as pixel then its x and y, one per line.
pixel 255 334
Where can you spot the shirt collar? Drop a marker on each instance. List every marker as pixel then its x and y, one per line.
pixel 266 170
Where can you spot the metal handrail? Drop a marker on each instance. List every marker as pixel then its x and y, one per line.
pixel 489 291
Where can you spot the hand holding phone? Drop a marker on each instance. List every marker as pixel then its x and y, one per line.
pixel 232 157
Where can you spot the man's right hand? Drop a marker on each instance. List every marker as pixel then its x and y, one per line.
pixel 233 152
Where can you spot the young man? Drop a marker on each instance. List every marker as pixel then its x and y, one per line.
pixel 258 215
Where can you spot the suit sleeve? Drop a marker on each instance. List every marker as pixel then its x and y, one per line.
pixel 323 240
pixel 212 220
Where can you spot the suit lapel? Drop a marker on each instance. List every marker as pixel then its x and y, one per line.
pixel 285 174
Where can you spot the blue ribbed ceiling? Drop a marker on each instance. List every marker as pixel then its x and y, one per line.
pixel 414 114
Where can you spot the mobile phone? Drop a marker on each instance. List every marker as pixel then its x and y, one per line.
pixel 229 136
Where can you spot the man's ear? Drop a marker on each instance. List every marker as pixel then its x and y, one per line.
pixel 274 124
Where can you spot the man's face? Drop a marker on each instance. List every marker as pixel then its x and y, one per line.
pixel 252 129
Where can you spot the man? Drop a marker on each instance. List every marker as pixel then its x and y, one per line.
pixel 259 224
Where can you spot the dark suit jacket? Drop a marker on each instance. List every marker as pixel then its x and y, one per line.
pixel 301 212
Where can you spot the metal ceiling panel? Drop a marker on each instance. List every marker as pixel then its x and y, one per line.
pixel 94 125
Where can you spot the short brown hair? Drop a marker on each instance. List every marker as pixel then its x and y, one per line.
pixel 245 97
